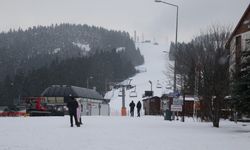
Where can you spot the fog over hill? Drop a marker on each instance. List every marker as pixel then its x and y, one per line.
pixel 23 50
pixel 65 54
pixel 155 69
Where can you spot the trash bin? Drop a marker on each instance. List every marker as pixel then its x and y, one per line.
pixel 167 115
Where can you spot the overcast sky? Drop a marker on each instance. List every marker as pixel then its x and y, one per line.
pixel 153 20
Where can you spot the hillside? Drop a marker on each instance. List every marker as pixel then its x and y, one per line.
pixel 65 54
pixel 157 69
pixel 24 50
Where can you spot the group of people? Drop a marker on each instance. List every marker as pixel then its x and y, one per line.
pixel 132 106
pixel 74 108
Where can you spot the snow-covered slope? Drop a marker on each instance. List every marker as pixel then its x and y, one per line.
pixel 155 69
pixel 120 133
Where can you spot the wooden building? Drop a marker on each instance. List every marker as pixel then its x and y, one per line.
pixel 191 105
pixel 239 64
pixel 152 106
pixel 239 45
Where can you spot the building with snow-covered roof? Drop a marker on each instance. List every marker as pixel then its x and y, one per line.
pixel 92 102
pixel 71 91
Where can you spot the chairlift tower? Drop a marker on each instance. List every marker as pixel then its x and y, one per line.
pixel 123 87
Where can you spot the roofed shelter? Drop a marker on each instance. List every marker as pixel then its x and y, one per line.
pixel 74 91
pixel 91 101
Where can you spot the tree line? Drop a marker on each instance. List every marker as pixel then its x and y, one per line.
pixel 102 66
pixel 24 50
pixel 33 59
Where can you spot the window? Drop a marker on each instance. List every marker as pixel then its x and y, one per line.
pixel 247 46
pixel 238 53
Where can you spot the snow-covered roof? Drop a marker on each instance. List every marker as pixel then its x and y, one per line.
pixel 66 91
pixel 238 26
pixel 188 98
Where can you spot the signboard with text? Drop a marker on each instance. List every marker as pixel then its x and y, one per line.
pixel 176 107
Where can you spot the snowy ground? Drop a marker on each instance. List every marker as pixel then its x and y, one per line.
pixel 156 69
pixel 120 133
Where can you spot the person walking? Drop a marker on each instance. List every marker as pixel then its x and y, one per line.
pixel 138 106
pixel 132 106
pixel 72 106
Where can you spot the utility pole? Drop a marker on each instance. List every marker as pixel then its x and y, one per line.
pixel 150 85
pixel 176 37
pixel 123 110
pixel 183 106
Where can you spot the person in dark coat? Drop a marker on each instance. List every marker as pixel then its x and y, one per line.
pixel 72 106
pixel 132 106
pixel 138 106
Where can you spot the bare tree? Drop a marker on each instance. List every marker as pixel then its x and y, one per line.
pixel 207 53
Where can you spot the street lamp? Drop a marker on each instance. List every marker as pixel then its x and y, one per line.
pixel 176 35
pixel 150 85
pixel 88 81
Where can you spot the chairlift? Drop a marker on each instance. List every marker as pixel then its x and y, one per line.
pixel 133 93
pixel 128 87
pixel 120 93
pixel 158 85
pixel 169 87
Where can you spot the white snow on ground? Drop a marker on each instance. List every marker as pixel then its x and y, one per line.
pixel 156 63
pixel 120 133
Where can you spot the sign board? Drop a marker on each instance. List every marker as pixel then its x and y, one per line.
pixel 177 101
pixel 176 107
pixel 176 94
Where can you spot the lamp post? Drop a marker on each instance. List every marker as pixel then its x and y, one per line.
pixel 176 35
pixel 88 81
pixel 150 85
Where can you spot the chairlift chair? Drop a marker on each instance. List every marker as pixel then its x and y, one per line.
pixel 120 93
pixel 158 85
pixel 133 93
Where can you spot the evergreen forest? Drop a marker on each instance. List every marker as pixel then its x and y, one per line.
pixel 65 54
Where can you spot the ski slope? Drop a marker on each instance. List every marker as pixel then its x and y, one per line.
pixel 155 69
pixel 120 133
